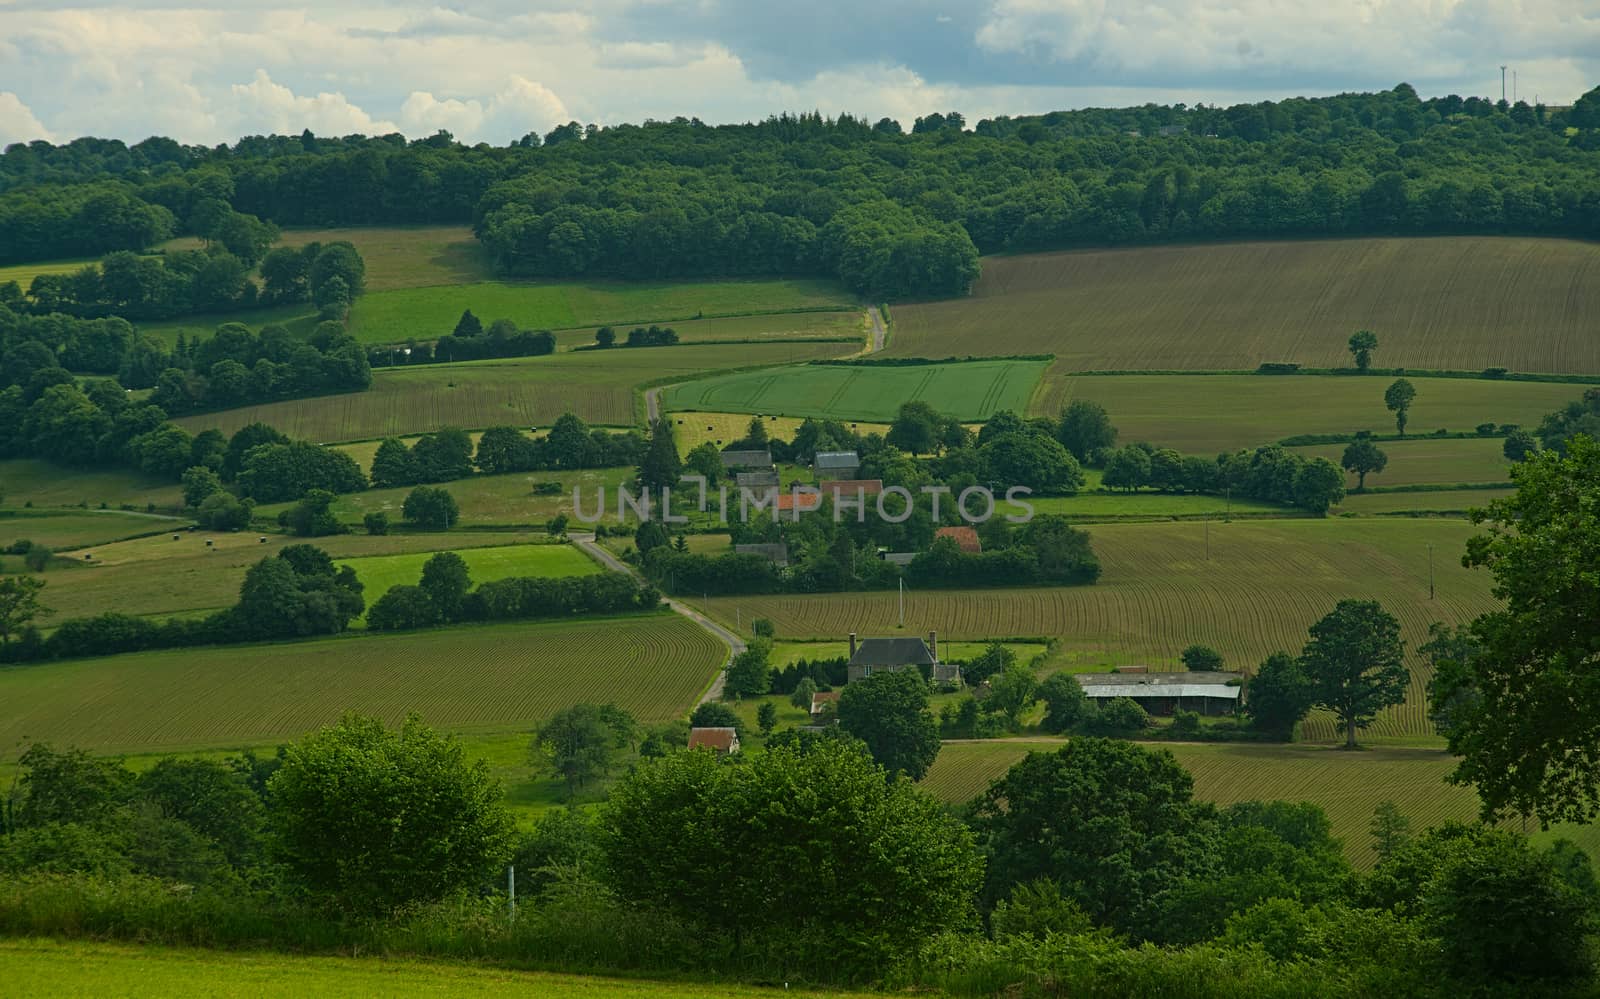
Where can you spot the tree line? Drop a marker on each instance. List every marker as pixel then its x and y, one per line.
pixel 887 213
pixel 1090 869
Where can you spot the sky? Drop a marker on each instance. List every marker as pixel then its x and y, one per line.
pixel 492 71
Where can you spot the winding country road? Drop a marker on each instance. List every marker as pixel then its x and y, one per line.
pixel 596 551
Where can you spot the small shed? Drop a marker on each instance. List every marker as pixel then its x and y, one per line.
pixel 766 478
pixel 1209 692
pixel 835 465
pixel 735 460
pixel 775 552
pixel 822 702
pixel 719 739
pixel 902 559
pixel 966 538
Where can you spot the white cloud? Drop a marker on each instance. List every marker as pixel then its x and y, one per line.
pixel 281 110
pixel 213 71
pixel 17 122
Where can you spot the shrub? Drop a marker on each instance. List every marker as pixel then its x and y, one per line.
pixel 376 522
pixel 1277 368
pixel 1186 724
pixel 431 507
pixel 1494 372
pixel 763 627
pixel 1201 657
pixel 1118 716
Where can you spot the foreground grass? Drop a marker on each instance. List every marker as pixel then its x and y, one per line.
pixel 966 391
pixel 46 967
pixel 487 678
pixel 1447 302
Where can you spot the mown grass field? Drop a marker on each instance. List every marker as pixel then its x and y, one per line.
pixel 44 484
pixel 68 530
pixel 1449 502
pixel 379 573
pixel 1462 303
pixel 1421 461
pixel 600 386
pixel 850 324
pixel 23 274
pixel 1266 582
pixel 487 500
pixel 485 678
pixel 1348 786
pixel 157 575
pixel 972 391
pixel 48 967
pixel 1204 414
pixel 424 313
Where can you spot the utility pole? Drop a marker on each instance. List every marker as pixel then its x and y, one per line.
pixel 902 603
pixel 1502 84
pixel 1430 570
pixel 1208 539
pixel 511 888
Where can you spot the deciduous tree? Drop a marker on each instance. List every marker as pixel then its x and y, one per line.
pixel 1354 662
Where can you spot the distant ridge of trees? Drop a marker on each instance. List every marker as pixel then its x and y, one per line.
pixel 889 214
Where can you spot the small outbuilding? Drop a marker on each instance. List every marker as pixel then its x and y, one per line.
pixel 720 739
pixel 1210 692
pixel 835 465
pixel 766 478
pixel 824 704
pixel 750 461
pixel 966 538
pixel 775 552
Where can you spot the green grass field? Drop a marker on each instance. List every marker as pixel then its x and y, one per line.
pixel 972 391
pixel 691 429
pixel 157 575
pixel 1266 582
pixel 44 484
pixel 48 967
pixel 487 500
pixel 378 573
pixel 68 530
pixel 1205 414
pixel 1348 786
pixel 1463 303
pixel 504 677
pixel 23 274
pixel 1422 461
pixel 600 386
pixel 1449 502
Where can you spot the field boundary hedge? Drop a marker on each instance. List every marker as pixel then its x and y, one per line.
pixel 1483 375
pixel 912 362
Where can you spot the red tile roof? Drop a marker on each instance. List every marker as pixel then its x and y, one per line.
pixel 723 740
pixel 966 537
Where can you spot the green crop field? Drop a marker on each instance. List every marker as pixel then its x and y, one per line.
pixel 158 575
pixel 378 573
pixel 1452 502
pixel 45 484
pixel 1463 303
pixel 1204 414
pixel 489 677
pixel 1266 582
pixel 599 386
pixel 69 530
pixel 49 967
pixel 971 391
pixel 1422 461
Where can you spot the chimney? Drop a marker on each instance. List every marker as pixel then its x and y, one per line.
pixel 852 645
pixel 933 645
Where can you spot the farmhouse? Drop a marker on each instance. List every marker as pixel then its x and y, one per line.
pixel 835 465
pixel 775 552
pixel 892 655
pixel 756 461
pixel 721 740
pixel 1209 692
pixel 966 538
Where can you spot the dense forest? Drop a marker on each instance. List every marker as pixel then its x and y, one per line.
pixel 889 213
